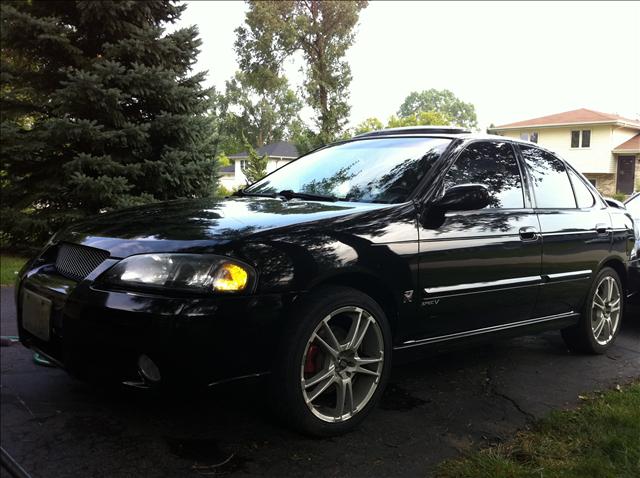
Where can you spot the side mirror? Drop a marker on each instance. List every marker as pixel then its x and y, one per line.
pixel 464 197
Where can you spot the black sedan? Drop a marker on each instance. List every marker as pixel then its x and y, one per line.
pixel 387 244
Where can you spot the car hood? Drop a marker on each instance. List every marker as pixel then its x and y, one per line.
pixel 197 225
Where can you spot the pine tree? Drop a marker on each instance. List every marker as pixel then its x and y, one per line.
pixel 256 166
pixel 100 110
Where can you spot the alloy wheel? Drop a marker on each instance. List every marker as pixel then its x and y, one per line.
pixel 342 364
pixel 605 310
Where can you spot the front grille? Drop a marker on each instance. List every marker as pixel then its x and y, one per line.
pixel 77 262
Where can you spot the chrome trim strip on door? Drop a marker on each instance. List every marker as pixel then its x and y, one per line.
pixel 567 233
pixel 486 330
pixel 575 274
pixel 482 285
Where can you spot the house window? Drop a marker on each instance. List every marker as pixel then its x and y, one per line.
pixel 593 182
pixel 585 135
pixel 529 136
pixel 243 164
pixel 575 139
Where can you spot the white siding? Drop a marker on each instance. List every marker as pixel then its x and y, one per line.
pixel 272 164
pixel 228 181
pixel 595 159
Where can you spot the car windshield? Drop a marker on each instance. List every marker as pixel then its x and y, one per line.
pixel 382 170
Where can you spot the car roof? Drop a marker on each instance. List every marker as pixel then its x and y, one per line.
pixel 450 132
pixel 414 130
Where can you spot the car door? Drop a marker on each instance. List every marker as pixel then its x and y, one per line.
pixel 479 270
pixel 575 228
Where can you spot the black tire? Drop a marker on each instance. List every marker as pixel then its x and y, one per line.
pixel 580 337
pixel 286 387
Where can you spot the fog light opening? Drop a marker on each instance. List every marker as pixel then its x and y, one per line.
pixel 148 369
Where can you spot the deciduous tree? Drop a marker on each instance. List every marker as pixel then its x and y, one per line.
pixel 370 124
pixel 418 119
pixel 443 102
pixel 421 118
pixel 322 31
pixel 263 115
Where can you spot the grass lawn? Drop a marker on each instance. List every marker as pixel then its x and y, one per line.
pixel 600 439
pixel 9 266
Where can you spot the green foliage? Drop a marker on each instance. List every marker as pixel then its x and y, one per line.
pixel 601 438
pixel 222 192
pixel 418 119
pixel 443 102
pixel 256 167
pixel 414 119
pixel 264 115
pixel 223 160
pixel 619 196
pixel 9 268
pixel 370 124
pixel 100 111
pixel 304 138
pixel 321 31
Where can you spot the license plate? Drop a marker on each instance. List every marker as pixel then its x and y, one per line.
pixel 36 314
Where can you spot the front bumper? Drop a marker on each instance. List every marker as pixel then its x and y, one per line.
pixel 197 340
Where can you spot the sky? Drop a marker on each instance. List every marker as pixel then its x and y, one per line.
pixel 512 60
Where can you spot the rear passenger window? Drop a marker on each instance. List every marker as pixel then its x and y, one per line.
pixel 583 195
pixel 550 180
pixel 493 165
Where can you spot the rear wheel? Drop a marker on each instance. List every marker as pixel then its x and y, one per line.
pixel 335 362
pixel 600 321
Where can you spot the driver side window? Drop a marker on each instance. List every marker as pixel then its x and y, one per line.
pixel 493 165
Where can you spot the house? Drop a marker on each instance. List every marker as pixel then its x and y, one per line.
pixel 604 147
pixel 278 154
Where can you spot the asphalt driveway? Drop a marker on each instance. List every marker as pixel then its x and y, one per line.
pixel 434 409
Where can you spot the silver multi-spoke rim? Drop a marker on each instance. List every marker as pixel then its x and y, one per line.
pixel 605 311
pixel 342 364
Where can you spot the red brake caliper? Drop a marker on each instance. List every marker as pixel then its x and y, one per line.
pixel 310 362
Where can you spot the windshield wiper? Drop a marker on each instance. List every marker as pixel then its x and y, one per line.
pixel 289 194
pixel 243 193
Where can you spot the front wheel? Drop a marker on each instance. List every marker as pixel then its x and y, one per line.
pixel 600 321
pixel 335 362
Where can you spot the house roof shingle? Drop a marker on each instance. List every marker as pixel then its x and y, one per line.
pixel 631 145
pixel 580 116
pixel 280 149
pixel 227 169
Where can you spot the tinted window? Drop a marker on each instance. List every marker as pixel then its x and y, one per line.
pixel 370 170
pixel 583 195
pixel 550 181
pixel 575 139
pixel 493 165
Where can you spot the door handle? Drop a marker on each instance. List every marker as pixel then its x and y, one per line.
pixel 529 233
pixel 602 229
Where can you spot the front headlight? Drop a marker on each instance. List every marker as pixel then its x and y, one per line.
pixel 202 272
